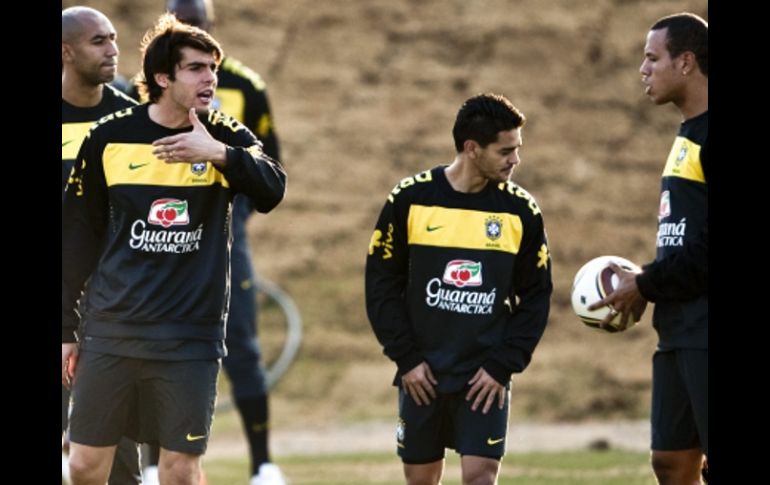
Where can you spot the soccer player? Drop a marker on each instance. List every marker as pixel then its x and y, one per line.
pixel 240 93
pixel 675 70
pixel 458 286
pixel 89 62
pixel 146 215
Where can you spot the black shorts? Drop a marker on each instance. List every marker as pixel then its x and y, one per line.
pixel 150 401
pixel 423 432
pixel 680 400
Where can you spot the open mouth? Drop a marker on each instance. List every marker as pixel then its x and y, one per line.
pixel 206 96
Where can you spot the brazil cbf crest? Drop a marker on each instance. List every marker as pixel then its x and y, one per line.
pixel 494 227
pixel 682 154
pixel 198 168
pixel 400 429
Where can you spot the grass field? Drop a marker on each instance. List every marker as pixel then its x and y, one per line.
pixel 611 467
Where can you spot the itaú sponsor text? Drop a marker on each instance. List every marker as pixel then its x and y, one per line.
pixel 164 241
pixel 459 301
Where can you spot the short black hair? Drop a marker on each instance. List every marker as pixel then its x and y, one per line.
pixel 482 117
pixel 686 32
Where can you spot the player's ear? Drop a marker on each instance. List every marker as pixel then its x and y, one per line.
pixel 66 52
pixel 471 148
pixel 688 62
pixel 161 79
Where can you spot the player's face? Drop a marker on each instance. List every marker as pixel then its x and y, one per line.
pixel 195 80
pixel 497 160
pixel 95 52
pixel 661 75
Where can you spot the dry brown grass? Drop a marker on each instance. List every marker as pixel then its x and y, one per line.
pixel 365 92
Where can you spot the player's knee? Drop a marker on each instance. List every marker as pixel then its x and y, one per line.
pixel 675 467
pixel 423 480
pixel 84 470
pixel 480 479
pixel 480 476
pixel 181 468
pixel 429 474
pixel 660 464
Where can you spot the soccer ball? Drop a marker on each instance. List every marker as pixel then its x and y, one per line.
pixel 594 281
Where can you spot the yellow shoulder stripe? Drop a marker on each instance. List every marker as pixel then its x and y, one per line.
pixel 462 228
pixel 232 102
pixel 72 136
pixel 237 67
pixel 684 161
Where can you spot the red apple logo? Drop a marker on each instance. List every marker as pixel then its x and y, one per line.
pixel 462 272
pixel 169 212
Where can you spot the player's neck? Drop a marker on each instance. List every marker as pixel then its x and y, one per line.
pixel 80 94
pixel 166 113
pixel 463 176
pixel 696 100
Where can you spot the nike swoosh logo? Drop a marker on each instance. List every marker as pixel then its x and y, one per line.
pixel 432 228
pixel 492 442
pixel 191 437
pixel 65 143
pixel 131 166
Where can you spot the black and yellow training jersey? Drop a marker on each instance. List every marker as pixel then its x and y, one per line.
pixel 458 280
pixel 678 279
pixel 165 232
pixel 76 121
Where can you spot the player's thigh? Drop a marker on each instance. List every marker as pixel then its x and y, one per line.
pixel 179 405
pixel 243 367
pixel 479 434
pixel 242 316
pixel 673 423
pixel 419 434
pixel 424 473
pixel 479 469
pixel 103 398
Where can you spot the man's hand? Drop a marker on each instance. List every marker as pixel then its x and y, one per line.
pixel 419 383
pixel 485 388
pixel 626 299
pixel 192 147
pixel 69 361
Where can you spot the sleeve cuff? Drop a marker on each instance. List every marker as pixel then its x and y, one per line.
pixel 646 288
pixel 498 372
pixel 408 362
pixel 68 336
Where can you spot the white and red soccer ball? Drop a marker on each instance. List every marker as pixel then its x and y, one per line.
pixel 594 281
